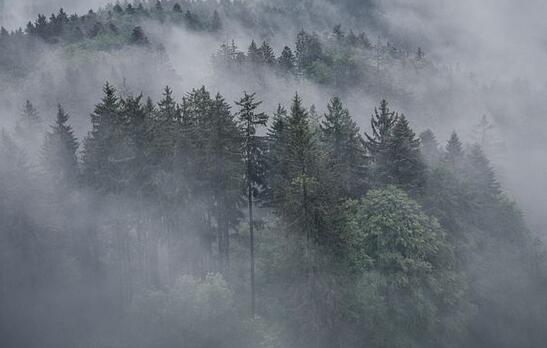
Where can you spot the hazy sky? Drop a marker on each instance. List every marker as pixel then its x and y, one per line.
pixel 18 12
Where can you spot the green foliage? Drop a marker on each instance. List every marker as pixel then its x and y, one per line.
pixel 59 151
pixel 402 260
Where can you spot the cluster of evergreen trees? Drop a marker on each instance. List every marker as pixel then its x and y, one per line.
pixel 325 236
pixel 339 59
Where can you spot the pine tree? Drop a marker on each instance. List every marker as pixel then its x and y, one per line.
pixel 308 50
pixel 30 122
pixel 299 185
pixel 100 146
pixel 430 147
pixel 287 60
pixel 405 165
pixel 59 151
pixel 254 55
pixel 249 121
pixel 480 175
pixel 267 53
pixel 346 150
pixel 382 123
pixel 177 8
pixel 118 9
pixel 454 151
pixel 216 22
pixel 275 166
pixel 164 128
pixel 138 36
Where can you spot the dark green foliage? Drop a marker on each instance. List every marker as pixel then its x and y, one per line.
pixel 378 143
pixel 346 152
pixel 398 255
pixel 287 60
pixel 405 165
pixel 138 36
pixel 59 152
pixel 100 160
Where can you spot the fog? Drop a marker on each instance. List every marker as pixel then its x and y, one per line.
pixel 155 252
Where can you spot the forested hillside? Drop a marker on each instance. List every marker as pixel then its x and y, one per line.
pixel 294 195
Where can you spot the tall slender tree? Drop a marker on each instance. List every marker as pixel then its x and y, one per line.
pixel 59 151
pixel 346 152
pixel 249 121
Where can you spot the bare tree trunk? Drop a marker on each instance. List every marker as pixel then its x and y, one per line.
pixel 252 247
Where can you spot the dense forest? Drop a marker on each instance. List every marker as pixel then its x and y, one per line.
pixel 191 218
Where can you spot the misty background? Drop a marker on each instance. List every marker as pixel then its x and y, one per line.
pixel 475 68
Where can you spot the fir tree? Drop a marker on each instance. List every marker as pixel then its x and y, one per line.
pixel 267 53
pixel 454 151
pixel 346 150
pixel 138 36
pixel 99 162
pixel 177 8
pixel 382 123
pixel 249 121
pixel 254 55
pixel 287 60
pixel 59 151
pixel 216 22
pixel 430 147
pixel 405 166
pixel 30 122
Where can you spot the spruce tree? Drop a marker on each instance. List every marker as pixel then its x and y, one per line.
pixel 267 53
pixel 382 123
pixel 164 128
pixel 299 185
pixel 275 165
pixel 430 147
pixel 405 165
pixel 454 151
pixel 254 55
pixel 30 122
pixel 346 152
pixel 249 121
pixel 287 60
pixel 216 22
pixel 99 160
pixel 138 36
pixel 59 151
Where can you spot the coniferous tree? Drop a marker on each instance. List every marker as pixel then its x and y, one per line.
pixel 59 151
pixel 99 154
pixel 287 60
pixel 276 167
pixel 30 122
pixel 405 165
pixel 430 147
pixel 382 123
pixel 249 121
pixel 267 53
pixel 138 36
pixel 118 9
pixel 164 128
pixel 216 22
pixel 254 55
pixel 346 150
pixel 481 176
pixel 454 151
pixel 299 185
pixel 177 8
